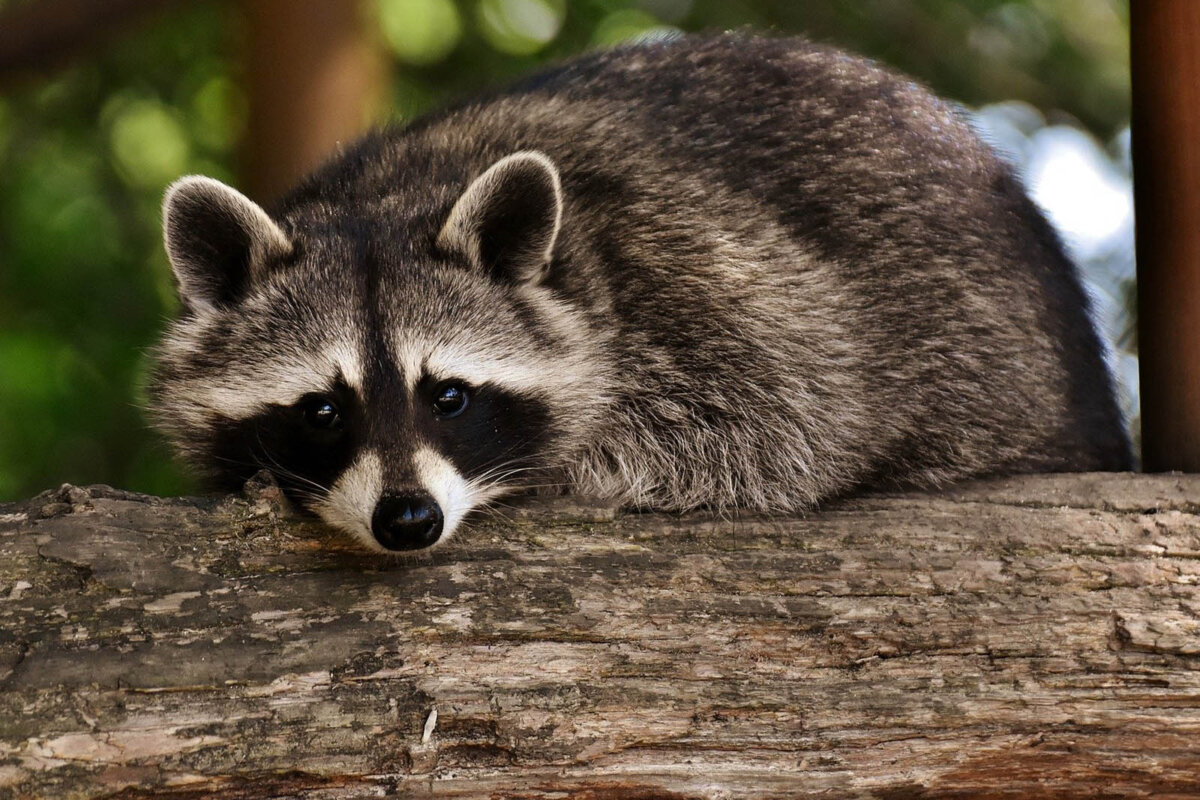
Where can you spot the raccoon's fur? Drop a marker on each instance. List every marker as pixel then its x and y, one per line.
pixel 723 272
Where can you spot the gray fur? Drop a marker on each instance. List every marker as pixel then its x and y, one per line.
pixel 725 272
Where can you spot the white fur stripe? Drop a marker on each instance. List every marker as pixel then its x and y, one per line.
pixel 352 498
pixel 239 394
pixel 442 480
pixel 520 372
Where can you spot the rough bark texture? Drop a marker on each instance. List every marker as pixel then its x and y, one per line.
pixel 1023 638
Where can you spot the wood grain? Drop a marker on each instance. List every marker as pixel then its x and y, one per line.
pixel 1034 637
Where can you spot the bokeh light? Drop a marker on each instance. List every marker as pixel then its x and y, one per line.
pixel 420 32
pixel 521 27
pixel 149 144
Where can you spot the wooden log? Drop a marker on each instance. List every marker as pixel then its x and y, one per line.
pixel 1033 637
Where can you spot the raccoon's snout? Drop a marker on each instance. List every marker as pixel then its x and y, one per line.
pixel 410 521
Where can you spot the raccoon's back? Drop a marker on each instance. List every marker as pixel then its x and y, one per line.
pixel 771 219
pixel 967 314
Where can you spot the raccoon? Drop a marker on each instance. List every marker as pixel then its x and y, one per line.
pixel 723 272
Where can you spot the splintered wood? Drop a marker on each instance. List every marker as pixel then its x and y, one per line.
pixel 1035 637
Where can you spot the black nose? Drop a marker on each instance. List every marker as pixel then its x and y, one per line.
pixel 407 521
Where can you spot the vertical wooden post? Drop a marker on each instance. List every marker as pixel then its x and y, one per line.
pixel 1165 56
pixel 313 78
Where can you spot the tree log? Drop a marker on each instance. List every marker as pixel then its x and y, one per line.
pixel 1032 637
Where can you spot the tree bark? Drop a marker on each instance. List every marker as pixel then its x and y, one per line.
pixel 1033 637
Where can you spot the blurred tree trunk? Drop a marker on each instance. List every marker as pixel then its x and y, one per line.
pixel 314 79
pixel 1165 56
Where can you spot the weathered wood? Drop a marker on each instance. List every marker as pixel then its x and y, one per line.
pixel 1031 637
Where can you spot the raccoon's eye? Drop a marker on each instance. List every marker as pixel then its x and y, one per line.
pixel 450 400
pixel 321 413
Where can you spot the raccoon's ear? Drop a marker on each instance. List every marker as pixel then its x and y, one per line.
pixel 217 240
pixel 507 220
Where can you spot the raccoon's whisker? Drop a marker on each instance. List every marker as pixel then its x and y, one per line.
pixel 288 475
pixel 496 476
pixel 256 463
pixel 500 464
pixel 237 462
pixel 306 497
pixel 282 471
pixel 499 473
pixel 505 483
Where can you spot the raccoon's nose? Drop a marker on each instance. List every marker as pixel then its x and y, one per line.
pixel 409 521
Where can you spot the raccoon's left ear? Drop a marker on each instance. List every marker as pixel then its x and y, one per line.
pixel 507 220
pixel 218 241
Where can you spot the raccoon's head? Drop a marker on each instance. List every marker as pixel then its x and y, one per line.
pixel 394 368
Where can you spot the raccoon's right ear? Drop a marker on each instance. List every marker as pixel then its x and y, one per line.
pixel 507 220
pixel 218 240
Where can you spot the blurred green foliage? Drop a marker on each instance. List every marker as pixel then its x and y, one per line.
pixel 86 153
